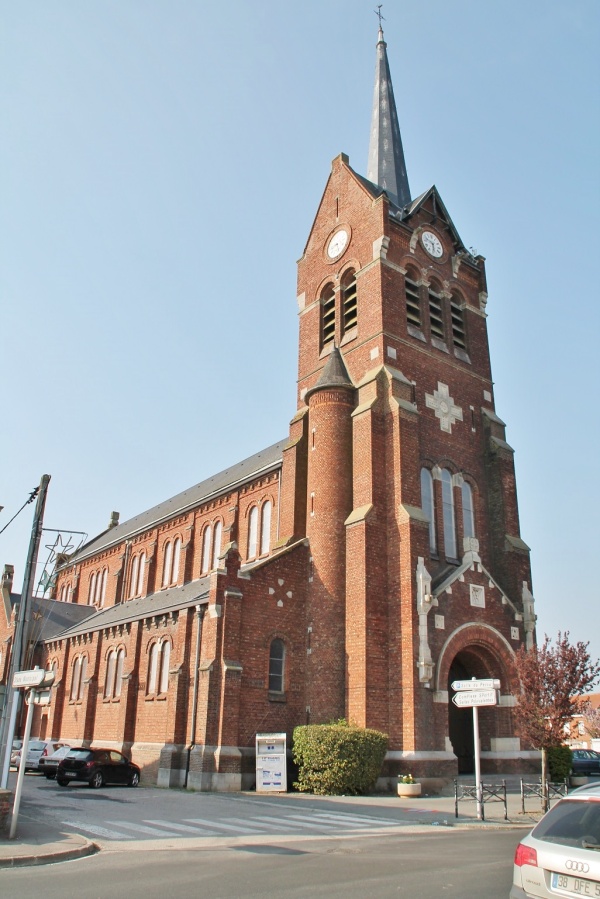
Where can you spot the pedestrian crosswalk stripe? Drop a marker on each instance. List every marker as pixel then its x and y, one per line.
pixel 97 830
pixel 141 828
pixel 318 822
pixel 184 828
pixel 264 822
pixel 361 819
pixel 217 824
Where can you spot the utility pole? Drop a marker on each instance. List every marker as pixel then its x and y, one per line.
pixel 7 724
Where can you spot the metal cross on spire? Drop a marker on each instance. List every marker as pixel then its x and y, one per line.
pixel 378 14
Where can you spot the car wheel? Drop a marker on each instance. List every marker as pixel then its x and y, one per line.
pixel 61 782
pixel 96 780
pixel 134 779
pixel 48 776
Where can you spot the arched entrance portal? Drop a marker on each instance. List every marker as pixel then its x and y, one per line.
pixel 470 662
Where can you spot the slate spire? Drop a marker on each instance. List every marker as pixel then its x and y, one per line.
pixel 386 166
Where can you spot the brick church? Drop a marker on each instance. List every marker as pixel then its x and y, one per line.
pixel 352 570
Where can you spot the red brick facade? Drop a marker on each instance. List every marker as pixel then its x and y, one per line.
pixel 325 546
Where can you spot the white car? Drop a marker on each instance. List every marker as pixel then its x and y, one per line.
pixel 561 855
pixel 35 750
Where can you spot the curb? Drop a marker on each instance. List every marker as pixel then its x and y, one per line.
pixel 64 855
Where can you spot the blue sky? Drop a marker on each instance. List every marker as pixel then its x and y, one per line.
pixel 160 168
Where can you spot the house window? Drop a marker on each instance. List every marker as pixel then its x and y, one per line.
pixel 206 543
pixel 277 666
pixel 350 310
pixel 458 324
pixel 265 529
pixel 436 317
pixel 413 303
pixel 252 532
pixel 327 315
pixel 171 562
pixel 448 515
pixel 78 677
pixel 138 573
pixel 428 505
pixel 467 510
pixel 217 543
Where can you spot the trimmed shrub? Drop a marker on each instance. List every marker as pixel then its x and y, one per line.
pixel 338 759
pixel 560 762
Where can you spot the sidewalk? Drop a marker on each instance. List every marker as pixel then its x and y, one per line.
pixel 38 843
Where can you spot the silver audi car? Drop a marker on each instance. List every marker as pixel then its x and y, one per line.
pixel 561 855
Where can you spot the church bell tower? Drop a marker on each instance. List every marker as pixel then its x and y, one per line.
pixel 407 497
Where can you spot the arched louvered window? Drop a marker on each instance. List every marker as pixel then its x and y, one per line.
pixel 458 323
pixel 350 307
pixel 413 301
pixel 265 528
pixel 327 315
pixel 253 532
pixel 428 505
pixel 467 510
pixel 436 315
pixel 277 666
pixel 217 543
pixel 206 544
pixel 448 515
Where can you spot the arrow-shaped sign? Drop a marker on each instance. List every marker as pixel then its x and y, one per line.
pixel 474 698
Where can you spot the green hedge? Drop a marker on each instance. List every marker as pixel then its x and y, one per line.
pixel 560 762
pixel 338 759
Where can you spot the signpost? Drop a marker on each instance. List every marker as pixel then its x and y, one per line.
pixel 37 683
pixel 473 694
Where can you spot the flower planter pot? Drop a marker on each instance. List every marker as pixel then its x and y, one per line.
pixel 408 789
pixel 578 780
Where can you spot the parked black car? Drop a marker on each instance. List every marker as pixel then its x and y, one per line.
pixel 585 761
pixel 97 767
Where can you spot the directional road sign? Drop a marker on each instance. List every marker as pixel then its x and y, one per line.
pixel 34 678
pixel 490 683
pixel 474 698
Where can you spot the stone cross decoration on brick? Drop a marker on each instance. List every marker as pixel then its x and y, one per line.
pixel 443 405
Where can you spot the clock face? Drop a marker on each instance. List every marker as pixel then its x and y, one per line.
pixel 337 244
pixel 432 244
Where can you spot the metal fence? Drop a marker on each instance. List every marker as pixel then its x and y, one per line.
pixel 554 791
pixel 490 792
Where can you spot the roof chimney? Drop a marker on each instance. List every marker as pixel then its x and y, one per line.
pixel 114 520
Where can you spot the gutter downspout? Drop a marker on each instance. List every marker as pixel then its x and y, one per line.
pixel 200 610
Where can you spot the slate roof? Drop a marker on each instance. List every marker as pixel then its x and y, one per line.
pixel 171 600
pixel 225 480
pixel 49 617
pixel 335 374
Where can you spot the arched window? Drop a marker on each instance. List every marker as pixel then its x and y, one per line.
pixel 78 677
pixel 448 515
pixel 119 673
pixel 168 557
pixel 165 658
pixel 101 587
pixel 75 678
pixel 350 309
pixel 152 666
pixel 265 528
pixel 109 683
pixel 206 542
pixel 176 559
pixel 327 315
pixel 467 510
pixel 252 532
pixel 217 543
pixel 277 666
pixel 413 300
pixel 92 590
pixel 458 324
pixel 135 564
pixel 428 505
pixel 141 575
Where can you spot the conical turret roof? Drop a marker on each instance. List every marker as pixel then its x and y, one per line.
pixel 335 374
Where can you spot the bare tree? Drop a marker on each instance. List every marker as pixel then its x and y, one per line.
pixel 551 677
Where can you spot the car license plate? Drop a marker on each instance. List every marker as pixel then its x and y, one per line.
pixel 575 886
pixel 73 773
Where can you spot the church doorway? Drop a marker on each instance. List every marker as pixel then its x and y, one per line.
pixel 468 663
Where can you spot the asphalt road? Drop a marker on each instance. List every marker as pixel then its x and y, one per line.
pixel 454 864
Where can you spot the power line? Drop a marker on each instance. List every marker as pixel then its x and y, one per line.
pixel 32 496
